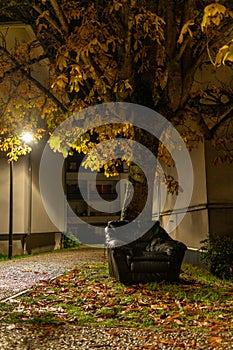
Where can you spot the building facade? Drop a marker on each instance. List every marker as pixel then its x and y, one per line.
pixel 211 208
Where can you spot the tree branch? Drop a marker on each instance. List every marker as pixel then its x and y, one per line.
pixel 97 73
pixel 45 91
pixel 16 68
pixel 224 117
pixel 36 82
pixel 59 15
pixel 49 19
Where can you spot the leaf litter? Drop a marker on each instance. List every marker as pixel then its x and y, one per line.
pixel 87 296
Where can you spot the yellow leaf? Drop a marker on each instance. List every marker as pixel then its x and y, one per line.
pixel 221 53
pixel 215 9
pixel 94 41
pixel 230 56
pixel 215 339
pixel 225 53
pixel 128 86
pixel 61 82
pixel 154 306
pixel 146 26
pixel 184 30
pixel 61 62
pixel 213 13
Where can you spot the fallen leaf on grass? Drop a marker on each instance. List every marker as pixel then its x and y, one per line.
pixel 179 322
pixel 215 339
pixel 165 341
pixel 149 346
pixel 171 319
pixel 129 291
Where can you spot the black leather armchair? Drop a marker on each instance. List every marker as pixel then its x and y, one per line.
pixel 133 257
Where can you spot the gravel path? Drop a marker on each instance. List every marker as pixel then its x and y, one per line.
pixel 18 337
pixel 20 274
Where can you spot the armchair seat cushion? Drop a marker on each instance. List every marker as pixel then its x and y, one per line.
pixel 149 266
pixel 147 256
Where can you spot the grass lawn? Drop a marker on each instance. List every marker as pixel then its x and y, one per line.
pixel 15 257
pixel 88 296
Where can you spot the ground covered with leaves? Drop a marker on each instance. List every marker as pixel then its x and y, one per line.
pixel 87 296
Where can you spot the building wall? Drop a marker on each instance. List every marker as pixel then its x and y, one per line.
pixel 43 235
pixel 19 205
pixel 220 194
pixel 194 226
pixel 19 196
pixel 220 178
pixel 211 208
pixel 4 197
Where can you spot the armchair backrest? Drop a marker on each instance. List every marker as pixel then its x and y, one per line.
pixel 119 233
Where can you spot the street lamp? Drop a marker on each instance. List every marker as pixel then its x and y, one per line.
pixel 27 137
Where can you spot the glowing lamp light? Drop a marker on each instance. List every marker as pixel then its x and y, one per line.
pixel 27 137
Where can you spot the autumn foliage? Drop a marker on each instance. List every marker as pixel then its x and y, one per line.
pixel 167 58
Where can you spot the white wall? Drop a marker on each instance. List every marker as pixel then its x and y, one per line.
pixel 220 179
pixel 19 200
pixel 220 194
pixel 211 207
pixel 4 195
pixel 192 221
pixel 43 232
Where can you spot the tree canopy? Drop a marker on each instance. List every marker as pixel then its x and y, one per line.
pixel 174 57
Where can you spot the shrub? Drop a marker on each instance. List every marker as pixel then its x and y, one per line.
pixel 3 257
pixel 217 251
pixel 70 241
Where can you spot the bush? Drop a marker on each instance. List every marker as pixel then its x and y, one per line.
pixel 217 251
pixel 70 241
pixel 3 257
